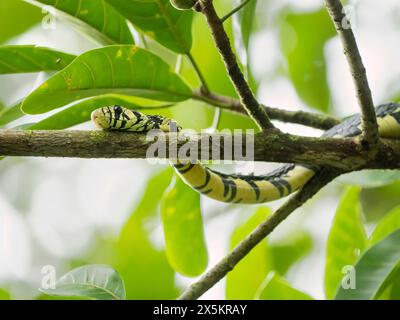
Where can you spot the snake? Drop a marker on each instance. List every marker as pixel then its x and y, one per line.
pixel 238 188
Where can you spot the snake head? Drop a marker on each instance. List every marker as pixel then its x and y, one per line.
pixel 170 125
pixel 102 118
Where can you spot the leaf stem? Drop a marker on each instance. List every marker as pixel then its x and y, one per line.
pixel 314 120
pixel 239 7
pixel 205 87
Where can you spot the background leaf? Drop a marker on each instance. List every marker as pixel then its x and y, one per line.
pixel 23 59
pixel 245 279
pixel 183 229
pixel 277 288
pixel 377 202
pixel 115 69
pixel 288 251
pixel 386 226
pixel 303 47
pixel 28 16
pixel 4 295
pixel 159 20
pixel 80 112
pixel 10 114
pixel 371 178
pixel 144 268
pixel 371 271
pixel 98 282
pixel 346 240
pixel 104 22
pixel 242 24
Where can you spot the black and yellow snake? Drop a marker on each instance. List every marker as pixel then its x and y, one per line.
pixel 240 188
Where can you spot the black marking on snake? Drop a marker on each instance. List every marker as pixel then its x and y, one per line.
pixel 255 188
pixel 229 187
pixel 185 170
pixel 396 116
pixel 208 177
pixel 278 185
pixel 286 185
pixel 206 191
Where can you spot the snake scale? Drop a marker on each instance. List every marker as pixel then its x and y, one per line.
pixel 241 188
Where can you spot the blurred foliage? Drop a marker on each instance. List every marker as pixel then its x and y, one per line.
pixel 290 250
pixel 302 43
pixel 376 202
pixel 4 295
pixel 277 288
pixel 15 24
pixel 183 229
pixel 346 241
pixel 243 281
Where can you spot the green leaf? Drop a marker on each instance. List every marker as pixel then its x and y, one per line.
pixel 346 240
pixel 371 178
pixel 97 17
pixel 245 279
pixel 287 252
pixel 16 17
pixel 389 223
pixel 10 114
pixel 24 59
pixel 4 295
pixel 183 229
pixel 373 268
pixel 97 282
pixel 144 268
pixel 80 112
pixel 303 47
pixel 277 288
pixel 115 69
pixel 377 202
pixel 159 20
pixel 242 23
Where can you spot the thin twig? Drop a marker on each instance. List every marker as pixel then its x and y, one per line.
pixel 370 134
pixel 203 81
pixel 239 7
pixel 314 120
pixel 225 265
pixel 223 44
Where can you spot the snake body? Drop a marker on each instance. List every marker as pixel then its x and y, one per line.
pixel 240 188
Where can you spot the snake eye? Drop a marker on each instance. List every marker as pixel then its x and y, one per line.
pixel 118 109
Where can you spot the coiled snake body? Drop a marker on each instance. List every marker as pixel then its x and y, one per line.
pixel 241 188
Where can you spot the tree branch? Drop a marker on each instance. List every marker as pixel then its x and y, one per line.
pixel 223 44
pixel 370 134
pixel 225 265
pixel 345 154
pixel 314 120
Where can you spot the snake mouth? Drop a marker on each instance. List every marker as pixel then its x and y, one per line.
pixel 99 119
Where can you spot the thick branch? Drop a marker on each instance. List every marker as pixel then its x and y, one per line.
pixel 223 44
pixel 275 147
pixel 225 265
pixel 268 146
pixel 369 122
pixel 314 120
